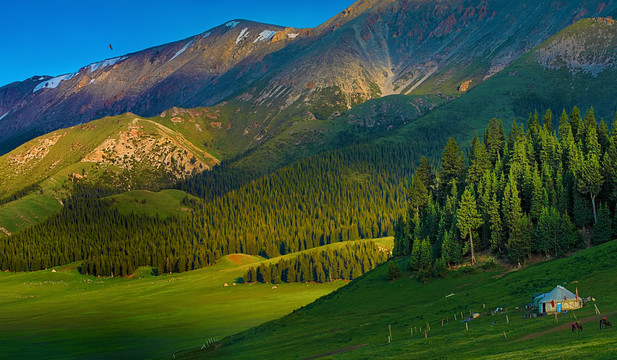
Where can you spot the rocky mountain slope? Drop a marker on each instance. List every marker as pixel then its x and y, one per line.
pixel 118 153
pixel 371 49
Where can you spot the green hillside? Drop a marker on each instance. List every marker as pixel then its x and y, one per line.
pixel 62 314
pixel 164 203
pixel 354 320
pixel 26 211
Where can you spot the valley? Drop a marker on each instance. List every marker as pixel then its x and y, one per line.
pixel 58 313
pixel 354 189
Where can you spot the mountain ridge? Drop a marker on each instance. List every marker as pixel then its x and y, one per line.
pixel 369 50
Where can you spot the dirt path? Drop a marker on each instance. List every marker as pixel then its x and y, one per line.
pixel 565 326
pixel 342 350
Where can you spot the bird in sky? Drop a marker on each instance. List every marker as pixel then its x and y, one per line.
pixel 110 48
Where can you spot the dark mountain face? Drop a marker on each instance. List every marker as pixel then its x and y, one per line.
pixel 373 48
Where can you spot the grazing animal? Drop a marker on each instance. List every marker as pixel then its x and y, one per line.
pixel 577 326
pixel 607 324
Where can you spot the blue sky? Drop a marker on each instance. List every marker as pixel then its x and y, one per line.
pixel 57 37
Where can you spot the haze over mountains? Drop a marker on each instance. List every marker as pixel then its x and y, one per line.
pixel 371 49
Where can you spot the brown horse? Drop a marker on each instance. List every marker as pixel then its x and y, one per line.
pixel 577 326
pixel 607 324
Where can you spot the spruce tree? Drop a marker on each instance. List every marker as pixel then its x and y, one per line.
pixel 425 172
pixel 416 253
pixel 603 229
pixel 452 166
pixel 591 180
pixel 547 121
pixel 468 219
pixel 494 139
pixel 426 255
pixel 418 194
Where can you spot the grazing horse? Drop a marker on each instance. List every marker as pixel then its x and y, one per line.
pixel 607 324
pixel 577 326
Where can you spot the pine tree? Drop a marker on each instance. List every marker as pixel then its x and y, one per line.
pixel 494 138
pixel 400 239
pixel 496 224
pixel 468 219
pixel 537 197
pixel 425 172
pixel 416 252
pixel 547 120
pixel 426 255
pixel 576 124
pixel 603 230
pixel 591 180
pixel 418 194
pixel 452 166
pixel 520 241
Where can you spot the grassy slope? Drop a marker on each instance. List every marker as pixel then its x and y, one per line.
pixel 165 203
pixel 26 211
pixel 361 312
pixel 68 315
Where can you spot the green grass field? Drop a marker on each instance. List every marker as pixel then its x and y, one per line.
pixel 354 320
pixel 62 314
pixel 27 211
pixel 165 203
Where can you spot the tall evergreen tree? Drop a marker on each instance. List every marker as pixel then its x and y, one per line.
pixel 547 121
pixel 591 180
pixel 452 166
pixel 425 172
pixel 468 219
pixel 603 229
pixel 418 194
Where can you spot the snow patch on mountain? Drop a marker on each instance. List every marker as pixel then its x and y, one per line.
pixel 232 24
pixel 109 62
pixel 293 36
pixel 243 35
pixel 265 35
pixel 182 50
pixel 206 35
pixel 53 82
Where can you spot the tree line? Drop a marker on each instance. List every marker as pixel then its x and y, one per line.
pixel 346 263
pixel 346 194
pixel 537 191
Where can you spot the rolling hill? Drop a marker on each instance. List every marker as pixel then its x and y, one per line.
pixel 353 322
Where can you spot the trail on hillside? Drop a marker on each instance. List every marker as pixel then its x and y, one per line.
pixel 565 326
pixel 342 350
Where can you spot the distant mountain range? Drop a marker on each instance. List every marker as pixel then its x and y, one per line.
pixel 275 75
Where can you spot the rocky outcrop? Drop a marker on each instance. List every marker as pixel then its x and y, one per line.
pixel 590 46
pixel 464 86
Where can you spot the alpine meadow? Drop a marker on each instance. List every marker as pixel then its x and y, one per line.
pixel 404 180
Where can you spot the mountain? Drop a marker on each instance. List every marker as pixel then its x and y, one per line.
pixel 369 50
pixel 118 153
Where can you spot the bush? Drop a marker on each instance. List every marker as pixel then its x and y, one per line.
pixel 394 271
pixel 468 269
pixel 489 264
